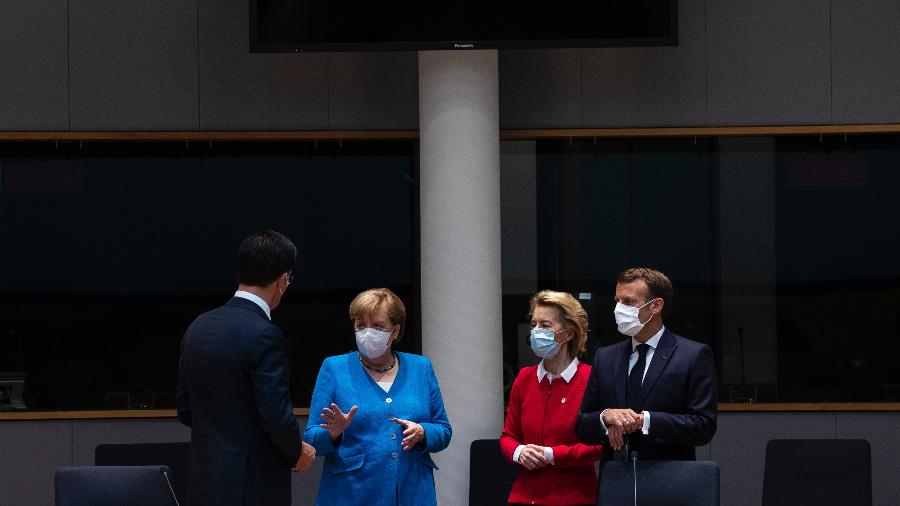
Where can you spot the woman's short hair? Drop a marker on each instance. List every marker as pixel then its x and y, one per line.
pixel 369 302
pixel 571 314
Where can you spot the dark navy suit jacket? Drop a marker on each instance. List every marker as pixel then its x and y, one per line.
pixel 234 393
pixel 679 392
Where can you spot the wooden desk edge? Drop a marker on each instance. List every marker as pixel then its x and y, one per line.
pixel 102 414
pixel 723 407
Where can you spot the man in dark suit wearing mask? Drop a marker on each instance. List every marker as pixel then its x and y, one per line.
pixel 655 390
pixel 234 388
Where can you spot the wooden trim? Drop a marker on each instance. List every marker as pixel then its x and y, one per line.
pixel 723 407
pixel 510 134
pixel 811 406
pixel 299 135
pixel 104 414
pixel 699 131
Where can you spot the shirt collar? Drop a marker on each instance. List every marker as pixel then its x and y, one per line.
pixel 653 341
pixel 567 374
pixel 256 299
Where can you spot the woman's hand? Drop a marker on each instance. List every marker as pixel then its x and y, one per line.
pixel 532 457
pixel 413 433
pixel 336 421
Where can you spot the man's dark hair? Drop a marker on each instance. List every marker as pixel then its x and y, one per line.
pixel 263 257
pixel 658 285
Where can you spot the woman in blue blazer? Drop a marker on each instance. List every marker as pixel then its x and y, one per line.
pixel 382 414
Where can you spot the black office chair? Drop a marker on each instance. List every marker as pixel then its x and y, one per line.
pixel 818 472
pixel 114 486
pixel 660 483
pixel 172 455
pixel 491 477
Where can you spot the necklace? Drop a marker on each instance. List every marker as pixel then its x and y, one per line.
pixel 371 368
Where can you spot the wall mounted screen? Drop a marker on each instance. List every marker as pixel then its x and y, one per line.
pixel 354 25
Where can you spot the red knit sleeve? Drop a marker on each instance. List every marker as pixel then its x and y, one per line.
pixel 511 437
pixel 576 455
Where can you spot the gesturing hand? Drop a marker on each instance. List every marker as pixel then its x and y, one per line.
pixel 336 421
pixel 307 457
pixel 532 457
pixel 413 433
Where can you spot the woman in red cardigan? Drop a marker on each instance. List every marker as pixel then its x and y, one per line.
pixel 539 433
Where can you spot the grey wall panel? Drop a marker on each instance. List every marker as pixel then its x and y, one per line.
pixel 650 86
pixel 540 88
pixel 865 50
pixel 30 452
pixel 243 91
pixel 373 91
pixel 880 429
pixel 33 59
pixel 133 65
pixel 87 434
pixel 768 62
pixel 740 448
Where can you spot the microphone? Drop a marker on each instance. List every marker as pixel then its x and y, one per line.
pixel 171 490
pixel 626 454
pixel 634 458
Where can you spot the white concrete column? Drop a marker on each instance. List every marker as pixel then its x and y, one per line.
pixel 460 248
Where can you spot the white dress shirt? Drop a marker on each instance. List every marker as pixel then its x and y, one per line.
pixel 253 298
pixel 567 375
pixel 653 342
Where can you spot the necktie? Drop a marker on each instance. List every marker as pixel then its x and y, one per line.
pixel 636 377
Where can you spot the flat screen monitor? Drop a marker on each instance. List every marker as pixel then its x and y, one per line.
pixel 12 386
pixel 354 25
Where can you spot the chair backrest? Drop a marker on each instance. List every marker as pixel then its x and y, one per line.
pixel 491 477
pixel 660 483
pixel 172 455
pixel 818 471
pixel 113 486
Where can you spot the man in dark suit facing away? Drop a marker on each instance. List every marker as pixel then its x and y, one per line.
pixel 655 390
pixel 234 388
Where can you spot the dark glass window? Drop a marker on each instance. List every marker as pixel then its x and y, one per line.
pixel 782 250
pixel 110 250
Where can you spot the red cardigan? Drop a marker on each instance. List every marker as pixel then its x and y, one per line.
pixel 544 414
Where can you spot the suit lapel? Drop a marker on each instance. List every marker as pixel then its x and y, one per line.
pixel 621 372
pixel 661 358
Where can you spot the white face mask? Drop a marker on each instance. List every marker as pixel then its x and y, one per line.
pixel 372 343
pixel 627 318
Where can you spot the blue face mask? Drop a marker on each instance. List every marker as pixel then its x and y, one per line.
pixel 543 343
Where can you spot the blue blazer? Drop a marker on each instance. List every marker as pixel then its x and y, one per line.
pixel 234 393
pixel 679 392
pixel 367 465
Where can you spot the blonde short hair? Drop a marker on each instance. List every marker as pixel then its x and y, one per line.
pixel 571 313
pixel 369 302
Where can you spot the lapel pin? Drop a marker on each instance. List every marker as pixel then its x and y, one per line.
pixel 563 400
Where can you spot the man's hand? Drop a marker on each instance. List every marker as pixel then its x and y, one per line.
pixel 532 457
pixel 336 421
pixel 307 457
pixel 620 422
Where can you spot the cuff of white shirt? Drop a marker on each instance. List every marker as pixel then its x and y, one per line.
pixel 517 452
pixel 548 454
pixel 605 429
pixel 645 428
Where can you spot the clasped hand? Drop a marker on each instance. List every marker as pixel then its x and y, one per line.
pixel 533 457
pixel 620 422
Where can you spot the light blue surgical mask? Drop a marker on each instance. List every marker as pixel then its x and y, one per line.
pixel 543 343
